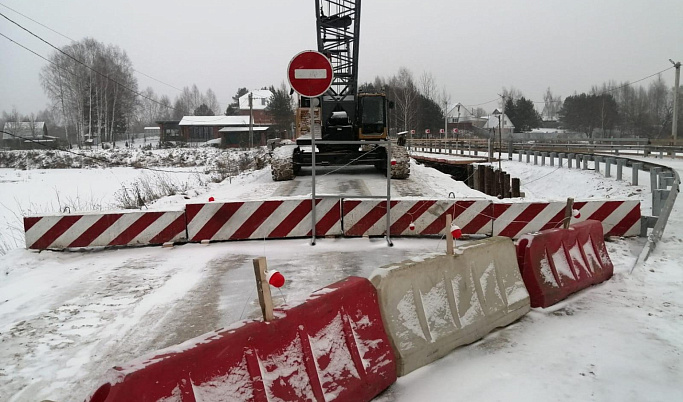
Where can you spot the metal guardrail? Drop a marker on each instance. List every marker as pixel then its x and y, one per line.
pixel 662 220
pixel 432 145
pixel 604 145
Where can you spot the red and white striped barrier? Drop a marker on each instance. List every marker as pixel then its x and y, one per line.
pixel 292 218
pixel 415 217
pixel 262 219
pixel 112 229
pixel 513 219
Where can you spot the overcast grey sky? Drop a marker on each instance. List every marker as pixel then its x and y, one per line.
pixel 472 48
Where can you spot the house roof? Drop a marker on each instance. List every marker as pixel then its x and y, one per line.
pixel 23 129
pixel 214 121
pixel 260 99
pixel 492 121
pixel 241 129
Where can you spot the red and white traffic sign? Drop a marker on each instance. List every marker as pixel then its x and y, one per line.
pixel 412 131
pixel 426 131
pixel 442 131
pixel 455 130
pixel 310 73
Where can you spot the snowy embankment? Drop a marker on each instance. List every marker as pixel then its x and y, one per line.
pixel 47 182
pixel 65 318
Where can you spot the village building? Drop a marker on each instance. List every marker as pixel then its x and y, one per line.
pixel 27 135
pixel 224 131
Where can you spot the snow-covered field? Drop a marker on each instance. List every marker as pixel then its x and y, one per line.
pixel 66 317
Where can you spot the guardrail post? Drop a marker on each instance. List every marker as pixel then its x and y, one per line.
pixel 510 149
pixel 597 160
pixel 585 161
pixel 475 177
pixel 520 155
pixel 559 159
pixel 664 179
pixel 490 148
pixel 654 174
pixel 608 167
pixel 552 158
pixel 620 167
pixel 536 158
pixel 543 156
pixel 635 171
pixel 506 185
pixel 570 160
pixel 657 201
pixel 515 188
pixel 527 156
pixel 498 183
pixel 488 180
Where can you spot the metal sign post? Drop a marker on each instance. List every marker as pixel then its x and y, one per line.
pixel 314 104
pixel 310 75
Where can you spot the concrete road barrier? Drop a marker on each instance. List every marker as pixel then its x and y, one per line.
pixel 331 347
pixel 558 262
pixel 368 217
pixel 514 219
pixel 58 232
pixel 432 306
pixel 272 219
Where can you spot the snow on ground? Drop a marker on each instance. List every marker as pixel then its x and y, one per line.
pixel 65 317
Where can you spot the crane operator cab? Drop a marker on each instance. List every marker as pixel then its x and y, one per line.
pixel 372 115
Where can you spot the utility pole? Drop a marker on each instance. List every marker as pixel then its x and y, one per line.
pixel 500 133
pixel 445 120
pixel 251 120
pixel 674 124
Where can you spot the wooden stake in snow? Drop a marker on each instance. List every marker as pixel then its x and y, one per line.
pixel 568 212
pixel 449 235
pixel 263 288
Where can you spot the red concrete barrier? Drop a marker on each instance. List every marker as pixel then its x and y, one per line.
pixel 331 347
pixel 558 262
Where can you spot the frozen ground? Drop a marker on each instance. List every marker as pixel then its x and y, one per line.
pixel 67 317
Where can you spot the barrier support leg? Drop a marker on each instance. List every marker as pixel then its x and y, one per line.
pixel 449 235
pixel 568 213
pixel 263 288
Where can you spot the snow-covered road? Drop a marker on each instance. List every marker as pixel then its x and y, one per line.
pixel 67 317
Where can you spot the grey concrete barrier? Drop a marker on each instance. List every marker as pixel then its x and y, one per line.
pixel 432 306
pixel 552 158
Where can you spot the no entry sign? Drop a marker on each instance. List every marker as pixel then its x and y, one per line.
pixel 310 73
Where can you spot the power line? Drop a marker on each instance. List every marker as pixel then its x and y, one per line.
pixel 73 40
pixel 79 62
pixel 480 104
pixel 25 48
pixel 169 107
pixel 603 92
